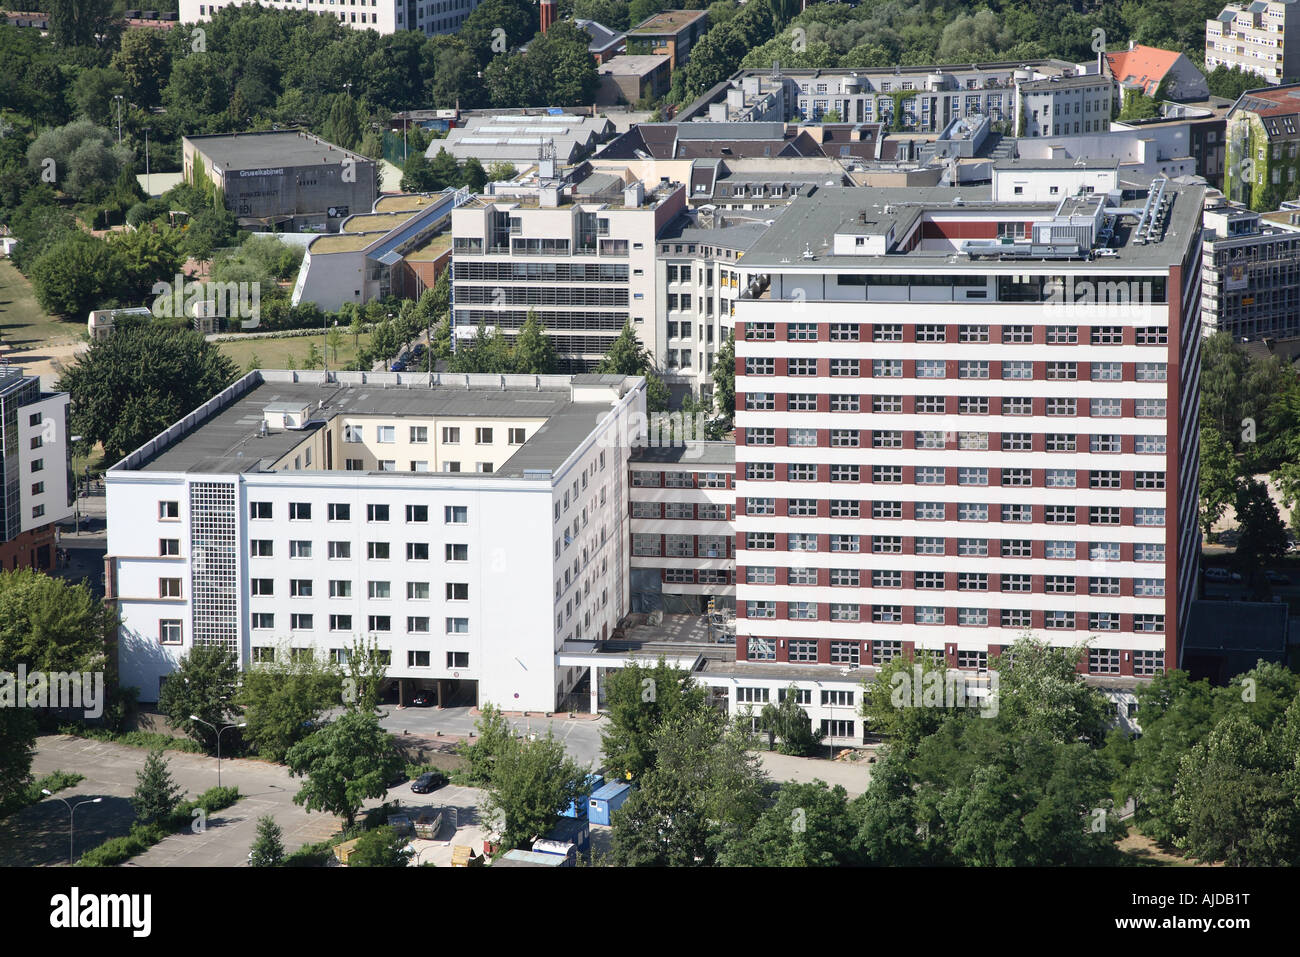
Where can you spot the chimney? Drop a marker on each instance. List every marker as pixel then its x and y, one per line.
pixel 548 14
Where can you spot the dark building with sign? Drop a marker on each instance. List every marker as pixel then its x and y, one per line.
pixel 287 180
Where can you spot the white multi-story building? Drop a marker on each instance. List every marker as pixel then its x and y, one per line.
pixel 471 526
pixel 960 421
pixel 1263 37
pixel 1064 105
pixel 382 16
pixel 35 463
pixel 582 257
pixel 699 282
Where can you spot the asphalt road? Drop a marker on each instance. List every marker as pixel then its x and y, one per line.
pixel 581 735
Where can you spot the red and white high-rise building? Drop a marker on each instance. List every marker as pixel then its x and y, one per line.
pixel 958 421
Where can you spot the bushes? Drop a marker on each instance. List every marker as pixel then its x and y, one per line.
pixel 55 781
pixel 135 739
pixel 141 837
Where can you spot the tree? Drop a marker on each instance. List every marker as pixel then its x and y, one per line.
pixel 156 794
pixel 501 170
pixel 533 352
pixel 531 782
pixel 474 175
pixel 724 377
pixel 82 158
pixel 444 171
pixel 493 732
pixel 791 724
pixel 417 175
pixel 93 92
pixel 1218 481
pixel 81 23
pixel 268 845
pixel 380 847
pixel 1230 83
pixel 343 127
pixel 1263 536
pixel 347 761
pixel 1235 798
pixel 367 668
pixel 704 793
pixel 1176 713
pixel 17 749
pixel 314 357
pixel 808 826
pixel 145 62
pixel 1042 692
pixel 147 256
pixel 129 387
pixel 639 700
pixel 76 274
pixel 284 698
pixel 334 339
pixel 51 625
pixel 204 685
pixel 894 702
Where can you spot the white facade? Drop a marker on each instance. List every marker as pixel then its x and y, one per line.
pixel 382 16
pixel 1263 37
pixel 462 575
pixel 586 268
pixel 43 457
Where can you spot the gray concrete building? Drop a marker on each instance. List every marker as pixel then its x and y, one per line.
pixel 286 180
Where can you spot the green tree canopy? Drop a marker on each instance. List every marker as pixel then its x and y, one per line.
pixel 346 762
pixel 203 685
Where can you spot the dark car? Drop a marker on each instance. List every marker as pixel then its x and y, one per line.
pixel 1275 577
pixel 424 699
pixel 398 366
pixel 429 781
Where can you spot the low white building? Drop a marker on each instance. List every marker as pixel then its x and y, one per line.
pixel 470 526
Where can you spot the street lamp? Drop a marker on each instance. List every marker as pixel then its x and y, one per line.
pixel 242 724
pixel 120 100
pixel 72 813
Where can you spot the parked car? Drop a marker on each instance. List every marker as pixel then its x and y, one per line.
pixel 429 781
pixel 424 699
pixel 1216 575
pixel 1274 577
pixel 398 366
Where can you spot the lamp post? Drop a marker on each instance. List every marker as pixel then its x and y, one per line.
pixel 220 731
pixel 120 99
pixel 72 813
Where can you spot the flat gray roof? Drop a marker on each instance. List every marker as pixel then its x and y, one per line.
pixel 276 148
pixel 231 441
pixel 812 221
pixel 688 453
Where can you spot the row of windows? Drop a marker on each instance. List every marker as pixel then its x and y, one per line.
pixel 264 654
pixel 1011 334
pixel 419 434
pixel 938 369
pixel 938 581
pixel 415 624
pixel 342 588
pixel 1100 661
pixel 974 617
pixel 339 512
pixel 932 475
pixel 968 512
pixel 985 405
pixel 1062 549
pixel 304 548
pixel 643 478
pixel 971 441
pixel 683 511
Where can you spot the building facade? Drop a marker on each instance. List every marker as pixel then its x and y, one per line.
pixel 683 508
pixel 382 16
pixel 1250 275
pixel 1061 105
pixel 35 470
pixel 287 180
pixel 1262 37
pixel 584 265
pixel 944 441
pixel 315 510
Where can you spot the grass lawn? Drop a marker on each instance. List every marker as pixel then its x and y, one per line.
pixel 23 323
pixel 275 353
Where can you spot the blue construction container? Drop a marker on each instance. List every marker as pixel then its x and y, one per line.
pixel 578 808
pixel 607 800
